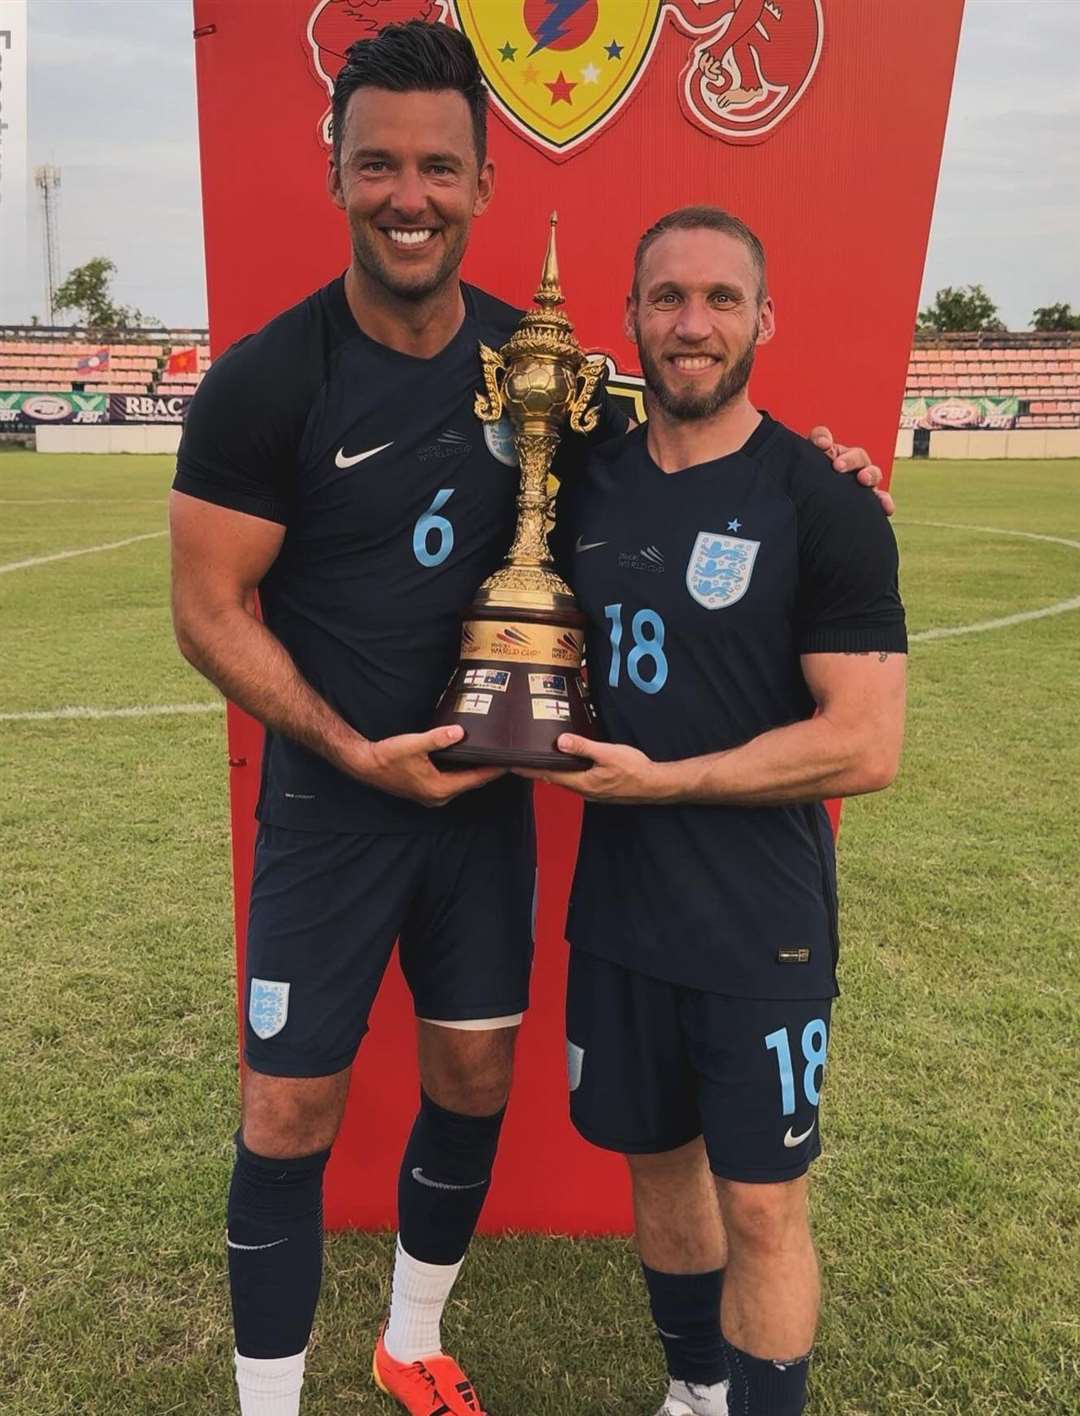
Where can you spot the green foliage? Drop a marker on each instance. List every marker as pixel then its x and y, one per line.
pixel 87 291
pixel 946 1206
pixel 1054 317
pixel 960 310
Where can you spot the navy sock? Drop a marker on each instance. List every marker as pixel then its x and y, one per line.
pixel 275 1250
pixel 444 1180
pixel 686 1311
pixel 763 1387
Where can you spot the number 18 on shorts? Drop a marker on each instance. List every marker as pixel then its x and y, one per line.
pixel 654 1065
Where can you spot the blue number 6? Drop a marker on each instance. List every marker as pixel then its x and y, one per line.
pixel 429 523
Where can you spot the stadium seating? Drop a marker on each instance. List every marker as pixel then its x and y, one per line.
pixel 47 360
pixel 1041 371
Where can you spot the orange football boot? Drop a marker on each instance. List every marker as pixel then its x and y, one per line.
pixel 435 1386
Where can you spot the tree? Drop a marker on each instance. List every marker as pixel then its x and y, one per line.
pixel 960 311
pixel 1051 317
pixel 86 291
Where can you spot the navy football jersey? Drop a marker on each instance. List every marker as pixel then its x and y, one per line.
pixel 397 503
pixel 702 589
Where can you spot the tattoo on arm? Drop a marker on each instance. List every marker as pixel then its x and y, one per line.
pixel 882 654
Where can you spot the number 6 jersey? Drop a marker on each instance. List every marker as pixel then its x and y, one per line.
pixel 702 589
pixel 396 501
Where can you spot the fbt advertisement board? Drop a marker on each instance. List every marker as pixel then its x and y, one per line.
pixel 20 408
pixel 819 122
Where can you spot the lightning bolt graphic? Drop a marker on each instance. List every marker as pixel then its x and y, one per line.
pixel 554 27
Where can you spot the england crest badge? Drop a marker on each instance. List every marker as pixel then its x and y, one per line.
pixel 500 441
pixel 268 1007
pixel 719 569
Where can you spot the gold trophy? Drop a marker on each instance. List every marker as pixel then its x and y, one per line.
pixel 519 683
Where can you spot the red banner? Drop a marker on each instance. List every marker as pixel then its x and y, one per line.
pixel 820 122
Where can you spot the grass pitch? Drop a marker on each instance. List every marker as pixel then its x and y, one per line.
pixel 946 1203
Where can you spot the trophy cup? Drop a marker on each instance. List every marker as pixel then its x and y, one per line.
pixel 519 683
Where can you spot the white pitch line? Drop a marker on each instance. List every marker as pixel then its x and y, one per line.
pixel 160 710
pixel 173 709
pixel 995 531
pixel 83 551
pixel 1061 607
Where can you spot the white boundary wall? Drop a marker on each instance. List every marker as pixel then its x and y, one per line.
pixel 1017 442
pixel 108 437
pixel 989 442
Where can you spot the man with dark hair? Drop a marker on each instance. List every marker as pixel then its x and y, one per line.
pixel 413 58
pixel 747 653
pixel 365 504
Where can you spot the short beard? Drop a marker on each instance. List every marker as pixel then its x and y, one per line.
pixel 369 259
pixel 692 407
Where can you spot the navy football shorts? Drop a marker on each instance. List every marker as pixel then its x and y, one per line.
pixel 654 1065
pixel 326 909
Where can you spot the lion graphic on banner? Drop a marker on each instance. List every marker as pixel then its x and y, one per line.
pixel 751 64
pixel 730 65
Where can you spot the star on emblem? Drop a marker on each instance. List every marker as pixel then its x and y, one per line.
pixel 614 49
pixel 531 74
pixel 735 525
pixel 561 88
pixel 508 51
pixel 590 74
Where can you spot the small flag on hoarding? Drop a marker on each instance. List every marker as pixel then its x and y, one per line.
pixel 97 363
pixel 183 361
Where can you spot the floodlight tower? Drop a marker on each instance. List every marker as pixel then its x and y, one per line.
pixel 47 181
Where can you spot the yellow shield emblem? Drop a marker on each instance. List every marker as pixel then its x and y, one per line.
pixel 561 69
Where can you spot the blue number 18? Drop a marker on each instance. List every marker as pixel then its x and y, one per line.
pixel 648 647
pixel 815 1045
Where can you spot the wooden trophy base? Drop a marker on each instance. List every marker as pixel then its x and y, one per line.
pixel 518 686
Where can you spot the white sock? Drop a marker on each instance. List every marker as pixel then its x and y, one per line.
pixel 673 1407
pixel 270 1386
pixel 702 1400
pixel 417 1299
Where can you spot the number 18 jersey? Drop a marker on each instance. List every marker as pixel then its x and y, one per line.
pixel 702 589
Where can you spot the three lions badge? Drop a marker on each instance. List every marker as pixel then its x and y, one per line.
pixel 719 569
pixel 268 1007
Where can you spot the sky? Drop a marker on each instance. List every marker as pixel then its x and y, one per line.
pixel 112 103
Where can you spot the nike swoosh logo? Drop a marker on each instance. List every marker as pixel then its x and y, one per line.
pixel 421 1179
pixel 250 1248
pixel 790 1140
pixel 342 461
pixel 588 545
